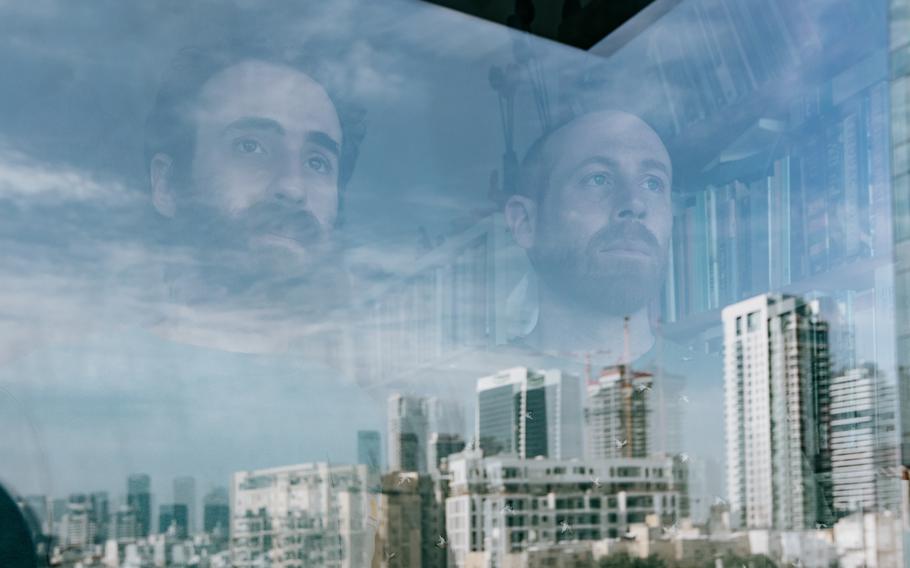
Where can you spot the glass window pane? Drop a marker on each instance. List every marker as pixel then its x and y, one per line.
pixel 352 283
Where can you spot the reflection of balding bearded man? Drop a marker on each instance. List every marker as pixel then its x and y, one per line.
pixel 593 212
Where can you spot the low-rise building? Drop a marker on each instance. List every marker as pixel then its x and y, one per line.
pixel 503 505
pixel 311 514
pixel 411 528
pixel 869 540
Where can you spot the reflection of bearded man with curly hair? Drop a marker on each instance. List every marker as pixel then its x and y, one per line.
pixel 249 152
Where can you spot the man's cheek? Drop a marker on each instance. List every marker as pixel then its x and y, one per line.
pixel 241 189
pixel 322 202
pixel 568 226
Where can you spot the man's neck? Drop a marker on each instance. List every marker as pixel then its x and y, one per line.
pixel 569 328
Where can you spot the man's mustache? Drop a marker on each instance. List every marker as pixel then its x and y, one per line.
pixel 617 234
pixel 263 218
pixel 281 221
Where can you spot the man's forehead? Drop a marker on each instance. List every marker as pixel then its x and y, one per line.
pixel 612 134
pixel 267 90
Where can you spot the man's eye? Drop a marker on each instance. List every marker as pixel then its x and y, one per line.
pixel 319 164
pixel 248 146
pixel 597 180
pixel 653 184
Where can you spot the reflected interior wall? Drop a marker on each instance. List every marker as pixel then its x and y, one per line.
pixel 900 183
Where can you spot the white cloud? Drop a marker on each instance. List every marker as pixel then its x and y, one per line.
pixel 24 178
pixel 367 74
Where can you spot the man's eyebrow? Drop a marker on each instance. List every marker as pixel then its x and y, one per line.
pixel 651 164
pixel 646 164
pixel 323 139
pixel 255 123
pixel 605 160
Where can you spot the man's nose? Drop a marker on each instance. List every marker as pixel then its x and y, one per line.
pixel 630 205
pixel 290 187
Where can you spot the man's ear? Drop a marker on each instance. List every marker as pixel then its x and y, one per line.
pixel 521 217
pixel 161 181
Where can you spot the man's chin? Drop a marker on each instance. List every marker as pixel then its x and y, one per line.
pixel 268 262
pixel 623 291
pixel 285 255
pixel 610 283
pixel 629 264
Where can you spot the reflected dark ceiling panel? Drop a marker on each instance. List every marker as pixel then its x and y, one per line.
pixel 577 23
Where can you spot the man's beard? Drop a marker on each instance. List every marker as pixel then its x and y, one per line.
pixel 268 254
pixel 592 278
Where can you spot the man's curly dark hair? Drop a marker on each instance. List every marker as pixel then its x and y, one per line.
pixel 168 129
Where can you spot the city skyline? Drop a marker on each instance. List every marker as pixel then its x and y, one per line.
pixel 609 474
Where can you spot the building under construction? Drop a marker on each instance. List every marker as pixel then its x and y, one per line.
pixel 618 413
